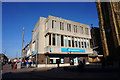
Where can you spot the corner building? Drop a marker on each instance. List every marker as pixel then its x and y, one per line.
pixel 56 39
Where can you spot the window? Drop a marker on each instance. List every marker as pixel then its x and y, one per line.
pixel 49 39
pixel 62 41
pixel 58 40
pixel 65 39
pixel 76 42
pixel 81 30
pixel 53 24
pixel 54 39
pixel 82 43
pixel 86 31
pixel 75 28
pixel 69 41
pixel 69 27
pixel 61 26
pixel 79 42
pixel 72 41
pixel 85 43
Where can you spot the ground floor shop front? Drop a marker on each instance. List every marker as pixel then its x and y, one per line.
pixel 59 58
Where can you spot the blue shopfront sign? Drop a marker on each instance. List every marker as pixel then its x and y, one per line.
pixel 34 52
pixel 72 50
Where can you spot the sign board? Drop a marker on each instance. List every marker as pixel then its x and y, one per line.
pixel 34 52
pixel 72 50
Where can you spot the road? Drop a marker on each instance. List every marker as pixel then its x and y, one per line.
pixel 67 73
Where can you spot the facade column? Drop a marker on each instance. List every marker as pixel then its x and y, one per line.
pixel 60 40
pixel 71 40
pixel 55 39
pixel 51 39
pixel 77 43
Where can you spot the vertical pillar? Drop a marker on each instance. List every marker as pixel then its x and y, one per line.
pixel 55 39
pixel 51 39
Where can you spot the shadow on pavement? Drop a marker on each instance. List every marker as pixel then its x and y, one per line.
pixel 65 73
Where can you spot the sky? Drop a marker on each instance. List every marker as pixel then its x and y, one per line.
pixel 16 15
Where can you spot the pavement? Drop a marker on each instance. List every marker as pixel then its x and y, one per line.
pixel 92 71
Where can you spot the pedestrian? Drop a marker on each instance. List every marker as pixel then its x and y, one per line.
pixel 12 64
pixel 81 66
pixel 27 64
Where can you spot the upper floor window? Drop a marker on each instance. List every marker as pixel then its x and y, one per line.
pixel 53 24
pixel 69 27
pixel 53 39
pixel 76 42
pixel 58 40
pixel 62 40
pixel 65 39
pixel 85 43
pixel 81 30
pixel 61 26
pixel 69 41
pixel 82 43
pixel 86 31
pixel 88 43
pixel 75 28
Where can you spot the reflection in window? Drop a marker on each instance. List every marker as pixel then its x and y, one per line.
pixel 69 41
pixel 76 42
pixel 86 31
pixel 82 43
pixel 69 27
pixel 58 40
pixel 53 24
pixel 53 39
pixel 65 39
pixel 85 43
pixel 61 26
pixel 81 30
pixel 72 41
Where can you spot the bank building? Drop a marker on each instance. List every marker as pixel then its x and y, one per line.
pixel 59 40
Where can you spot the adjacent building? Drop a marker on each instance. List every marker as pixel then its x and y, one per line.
pixel 59 40
pixel 109 23
pixel 96 45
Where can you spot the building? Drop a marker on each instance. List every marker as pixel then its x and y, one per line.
pixel 27 51
pixel 60 40
pixel 96 44
pixel 4 58
pixel 109 23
